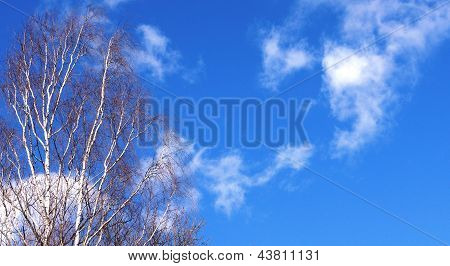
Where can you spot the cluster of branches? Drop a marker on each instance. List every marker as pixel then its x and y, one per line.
pixel 70 174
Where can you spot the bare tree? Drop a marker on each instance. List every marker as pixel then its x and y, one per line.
pixel 70 174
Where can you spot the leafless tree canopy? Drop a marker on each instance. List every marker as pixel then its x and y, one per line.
pixel 69 170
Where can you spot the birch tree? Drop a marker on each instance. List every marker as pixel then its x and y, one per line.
pixel 70 173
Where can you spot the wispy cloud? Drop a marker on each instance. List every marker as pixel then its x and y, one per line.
pixel 362 88
pixel 285 50
pixel 154 56
pixel 290 186
pixel 192 75
pixel 281 58
pixel 228 178
pixel 357 90
pixel 293 157
pixel 360 84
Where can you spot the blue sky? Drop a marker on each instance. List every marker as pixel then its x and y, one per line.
pixel 377 171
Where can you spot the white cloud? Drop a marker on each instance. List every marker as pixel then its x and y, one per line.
pixel 227 175
pixel 281 58
pixel 194 74
pixel 349 70
pixel 155 55
pixel 361 88
pixel 226 179
pixel 360 83
pixel 294 157
pixel 357 91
